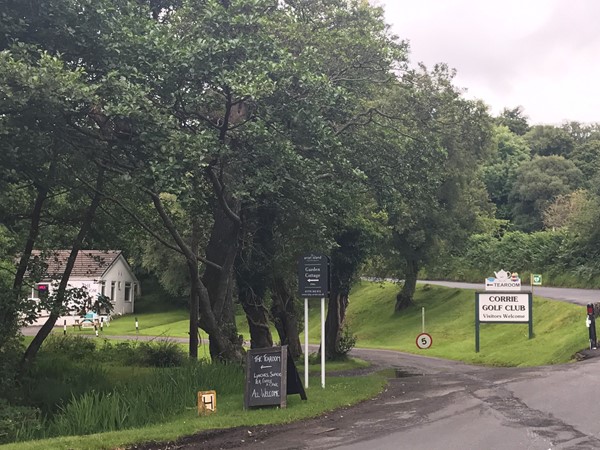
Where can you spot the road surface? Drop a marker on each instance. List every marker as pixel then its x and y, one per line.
pixel 571 295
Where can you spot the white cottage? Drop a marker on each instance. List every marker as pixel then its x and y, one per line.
pixel 104 272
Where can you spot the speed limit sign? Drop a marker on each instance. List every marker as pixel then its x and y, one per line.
pixel 424 341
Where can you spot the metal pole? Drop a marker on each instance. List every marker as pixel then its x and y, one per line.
pixel 306 342
pixel 423 319
pixel 531 315
pixel 323 342
pixel 476 323
pixel 531 282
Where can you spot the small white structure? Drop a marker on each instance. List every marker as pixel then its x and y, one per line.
pixel 102 272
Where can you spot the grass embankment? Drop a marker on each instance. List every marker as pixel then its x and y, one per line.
pixel 449 318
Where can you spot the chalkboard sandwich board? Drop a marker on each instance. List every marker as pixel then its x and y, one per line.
pixel 270 376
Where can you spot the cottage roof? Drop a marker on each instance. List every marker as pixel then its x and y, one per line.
pixel 89 263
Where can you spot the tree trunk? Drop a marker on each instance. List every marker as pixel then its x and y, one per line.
pixel 253 267
pixel 405 298
pixel 86 225
pixel 194 297
pixel 34 228
pixel 251 293
pixel 224 344
pixel 345 262
pixel 284 313
pixel 336 313
pixel 222 249
pixel 258 322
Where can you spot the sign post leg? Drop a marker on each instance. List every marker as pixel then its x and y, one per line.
pixel 323 342
pixel 531 314
pixel 306 342
pixel 476 323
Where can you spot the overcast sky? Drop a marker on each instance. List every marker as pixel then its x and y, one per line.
pixel 541 54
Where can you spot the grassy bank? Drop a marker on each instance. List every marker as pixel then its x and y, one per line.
pixel 339 392
pixel 450 319
pixel 449 315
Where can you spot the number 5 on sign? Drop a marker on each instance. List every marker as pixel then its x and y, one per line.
pixel 424 341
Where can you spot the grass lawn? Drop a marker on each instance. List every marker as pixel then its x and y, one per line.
pixel 340 391
pixel 449 318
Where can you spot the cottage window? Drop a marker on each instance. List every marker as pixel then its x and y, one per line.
pixel 112 291
pixel 102 288
pixel 41 290
pixel 128 292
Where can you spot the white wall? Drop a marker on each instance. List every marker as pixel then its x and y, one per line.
pixel 120 274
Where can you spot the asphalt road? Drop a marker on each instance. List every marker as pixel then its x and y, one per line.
pixel 438 404
pixel 570 295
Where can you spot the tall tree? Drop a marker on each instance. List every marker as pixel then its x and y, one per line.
pixel 538 183
pixel 499 172
pixel 514 119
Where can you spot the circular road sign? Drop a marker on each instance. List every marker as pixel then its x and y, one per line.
pixel 424 341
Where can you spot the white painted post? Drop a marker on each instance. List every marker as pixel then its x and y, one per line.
pixel 306 342
pixel 323 342
pixel 423 319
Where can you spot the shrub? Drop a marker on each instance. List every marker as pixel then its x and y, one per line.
pixel 17 422
pixel 160 354
pixel 77 347
pixel 55 378
pixel 167 392
pixel 347 341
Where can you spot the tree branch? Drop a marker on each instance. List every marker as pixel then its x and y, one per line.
pixel 220 192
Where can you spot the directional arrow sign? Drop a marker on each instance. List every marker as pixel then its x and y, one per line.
pixel 313 275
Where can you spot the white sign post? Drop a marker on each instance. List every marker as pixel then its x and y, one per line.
pixel 313 281
pixel 322 342
pixel 306 342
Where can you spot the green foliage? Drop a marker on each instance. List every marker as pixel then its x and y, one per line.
pixel 160 354
pixel 515 251
pixel 76 347
pixel 499 173
pixel 514 119
pixel 346 342
pixel 18 422
pixel 57 377
pixel 538 183
pixel 161 395
pixel 548 140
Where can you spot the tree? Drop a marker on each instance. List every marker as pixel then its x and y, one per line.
pixel 424 177
pixel 547 140
pixel 565 208
pixel 514 119
pixel 500 171
pixel 586 156
pixel 538 183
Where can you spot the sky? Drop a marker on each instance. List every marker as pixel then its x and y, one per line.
pixel 543 55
